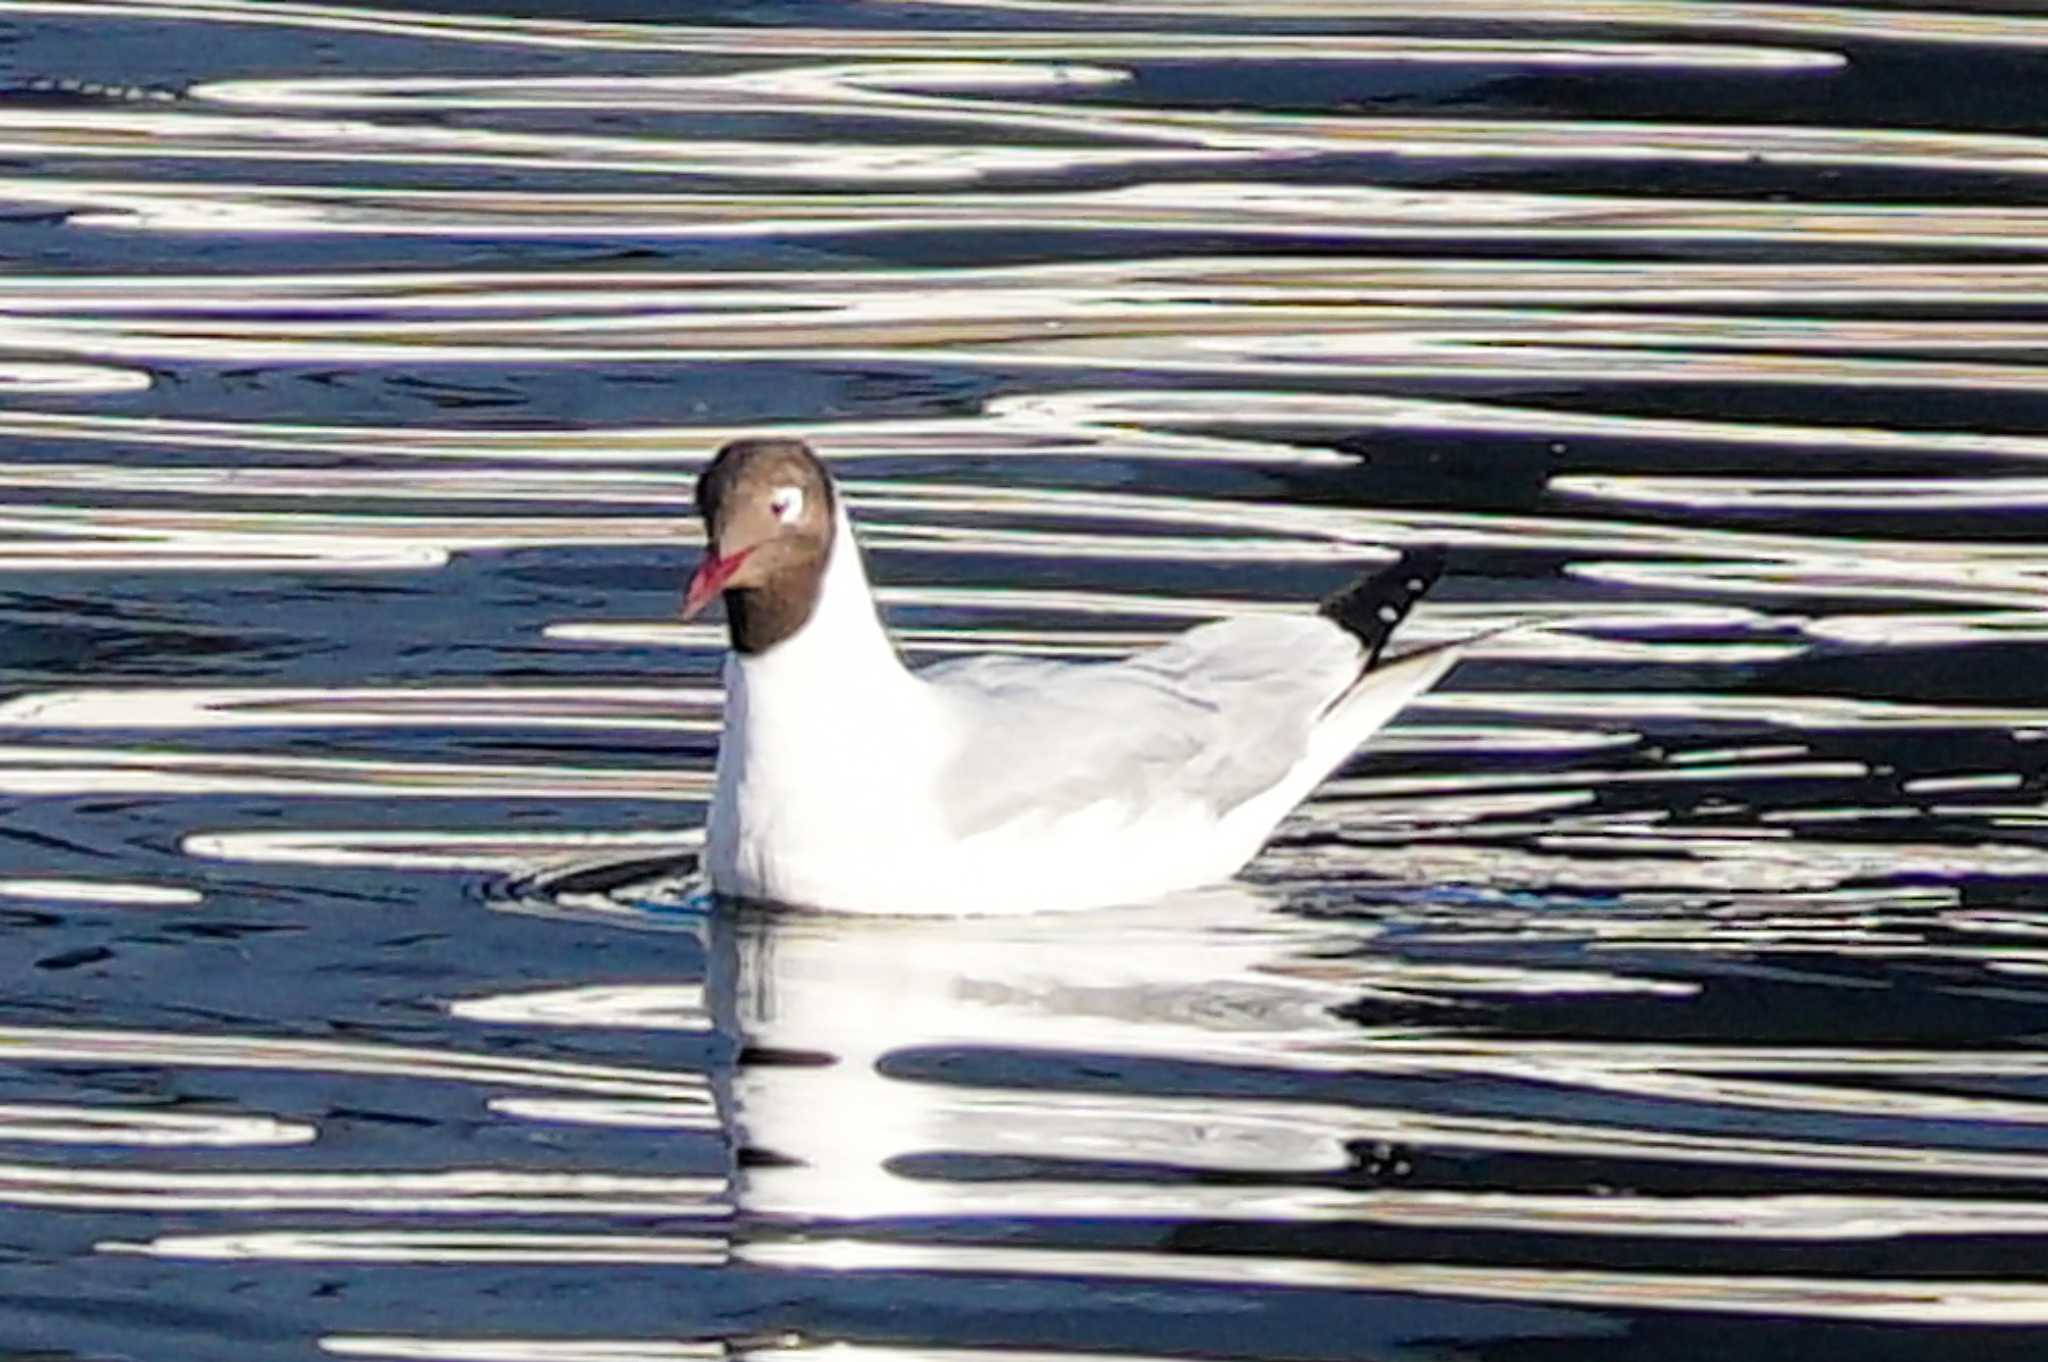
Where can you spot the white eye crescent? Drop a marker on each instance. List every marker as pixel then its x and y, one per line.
pixel 787 504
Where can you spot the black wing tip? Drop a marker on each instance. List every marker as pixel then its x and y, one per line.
pixel 1373 606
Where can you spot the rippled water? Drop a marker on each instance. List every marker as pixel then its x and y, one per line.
pixel 1669 984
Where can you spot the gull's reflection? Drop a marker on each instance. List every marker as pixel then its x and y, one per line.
pixel 1203 1056
pixel 1199 977
pixel 833 1010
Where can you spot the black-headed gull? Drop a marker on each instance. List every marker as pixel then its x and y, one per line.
pixel 848 782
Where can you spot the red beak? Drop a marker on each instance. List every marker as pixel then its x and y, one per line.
pixel 710 579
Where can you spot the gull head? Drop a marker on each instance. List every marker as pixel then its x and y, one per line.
pixel 769 512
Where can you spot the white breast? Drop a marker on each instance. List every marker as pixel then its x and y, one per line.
pixel 828 762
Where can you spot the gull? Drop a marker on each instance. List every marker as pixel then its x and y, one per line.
pixel 852 783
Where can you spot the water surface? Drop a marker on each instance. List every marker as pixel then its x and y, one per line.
pixel 1668 984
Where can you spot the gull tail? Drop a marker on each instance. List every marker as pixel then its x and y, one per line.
pixel 1369 609
pixel 1374 606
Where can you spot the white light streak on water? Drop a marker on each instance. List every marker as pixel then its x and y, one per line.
pixel 357 762
pixel 100 891
pixel 1828 1298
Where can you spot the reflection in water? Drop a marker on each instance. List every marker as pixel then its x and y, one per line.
pixel 1213 1010
pixel 94 1126
pixel 98 891
pixel 306 1056
pixel 1679 973
pixel 1245 992
pixel 426 1246
pixel 1909 1301
pixel 773 1348
pixel 677 1007
pixel 1232 979
pixel 460 1192
pixel 525 1350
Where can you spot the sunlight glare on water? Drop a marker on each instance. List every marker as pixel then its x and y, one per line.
pixel 1668 983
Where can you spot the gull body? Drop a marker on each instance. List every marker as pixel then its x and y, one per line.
pixel 851 783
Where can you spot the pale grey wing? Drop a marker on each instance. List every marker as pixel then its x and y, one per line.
pixel 1215 717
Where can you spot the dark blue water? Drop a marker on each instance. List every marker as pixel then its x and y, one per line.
pixel 1667 985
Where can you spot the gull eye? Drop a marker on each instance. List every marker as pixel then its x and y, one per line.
pixel 787 504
